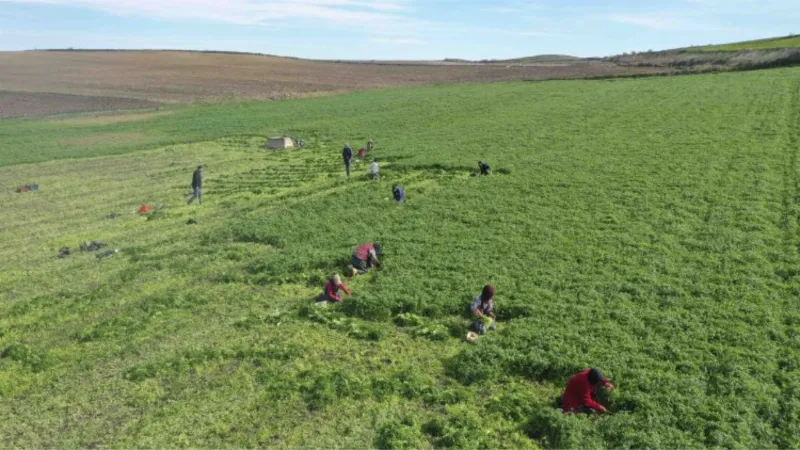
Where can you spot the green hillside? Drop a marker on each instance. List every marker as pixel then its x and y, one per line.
pixel 762 44
pixel 648 227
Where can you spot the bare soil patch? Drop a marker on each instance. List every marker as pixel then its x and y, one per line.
pixel 185 77
pixel 34 104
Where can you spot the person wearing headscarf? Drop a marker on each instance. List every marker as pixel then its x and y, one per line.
pixel 332 288
pixel 483 309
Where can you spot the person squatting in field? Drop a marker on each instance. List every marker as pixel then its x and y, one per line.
pixel 347 155
pixel 581 391
pixel 366 257
pixel 399 194
pixel 484 168
pixel 197 186
pixel 332 288
pixel 483 308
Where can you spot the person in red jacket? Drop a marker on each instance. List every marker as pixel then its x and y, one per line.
pixel 332 288
pixel 581 391
pixel 366 257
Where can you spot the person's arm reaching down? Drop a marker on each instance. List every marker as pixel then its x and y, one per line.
pixel 374 256
pixel 590 402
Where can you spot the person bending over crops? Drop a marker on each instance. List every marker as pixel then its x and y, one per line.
pixel 366 257
pixel 483 308
pixel 580 395
pixel 332 288
pixel 347 155
pixel 484 168
pixel 399 194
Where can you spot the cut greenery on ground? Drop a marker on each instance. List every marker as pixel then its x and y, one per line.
pixel 647 227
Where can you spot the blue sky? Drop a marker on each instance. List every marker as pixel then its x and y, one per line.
pixel 393 29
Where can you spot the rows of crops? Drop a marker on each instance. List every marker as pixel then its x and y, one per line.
pixel 647 227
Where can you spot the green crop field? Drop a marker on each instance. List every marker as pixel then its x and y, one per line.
pixel 762 44
pixel 647 227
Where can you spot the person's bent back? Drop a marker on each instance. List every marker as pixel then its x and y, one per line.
pixel 581 390
pixel 366 257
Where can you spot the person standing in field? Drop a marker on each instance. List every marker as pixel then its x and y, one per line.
pixel 366 257
pixel 370 145
pixel 399 194
pixel 580 395
pixel 332 288
pixel 197 186
pixel 483 308
pixel 347 154
pixel 374 171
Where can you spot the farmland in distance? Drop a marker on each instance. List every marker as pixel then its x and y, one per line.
pixel 136 79
pixel 649 227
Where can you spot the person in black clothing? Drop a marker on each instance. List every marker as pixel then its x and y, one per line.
pixel 347 154
pixel 197 186
pixel 399 194
pixel 484 168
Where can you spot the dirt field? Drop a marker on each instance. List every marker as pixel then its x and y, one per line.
pixel 183 77
pixel 33 104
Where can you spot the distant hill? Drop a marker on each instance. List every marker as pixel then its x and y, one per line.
pixel 537 59
pixel 791 41
pixel 523 60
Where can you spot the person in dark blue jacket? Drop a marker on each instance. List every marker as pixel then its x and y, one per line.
pixel 347 154
pixel 399 194
pixel 197 186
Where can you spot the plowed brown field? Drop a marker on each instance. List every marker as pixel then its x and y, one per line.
pixel 183 77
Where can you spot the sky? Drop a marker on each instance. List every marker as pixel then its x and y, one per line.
pixel 393 29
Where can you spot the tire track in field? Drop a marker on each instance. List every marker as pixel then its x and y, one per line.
pixel 788 370
pixel 790 214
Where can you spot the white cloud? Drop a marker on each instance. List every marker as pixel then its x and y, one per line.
pixel 246 11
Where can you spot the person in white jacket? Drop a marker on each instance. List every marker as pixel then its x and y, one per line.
pixel 374 170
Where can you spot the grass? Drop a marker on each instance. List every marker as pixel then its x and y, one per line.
pixel 647 227
pixel 761 44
